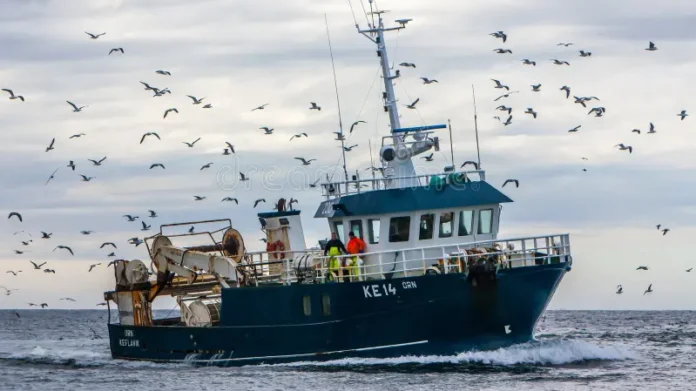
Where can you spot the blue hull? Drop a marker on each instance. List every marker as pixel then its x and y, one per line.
pixel 426 315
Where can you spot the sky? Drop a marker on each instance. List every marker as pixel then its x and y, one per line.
pixel 239 55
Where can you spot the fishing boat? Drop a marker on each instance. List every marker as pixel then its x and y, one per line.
pixel 434 279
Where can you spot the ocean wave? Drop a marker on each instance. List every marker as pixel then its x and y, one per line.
pixel 553 352
pixel 70 357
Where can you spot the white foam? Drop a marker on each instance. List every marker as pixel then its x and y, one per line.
pixel 556 352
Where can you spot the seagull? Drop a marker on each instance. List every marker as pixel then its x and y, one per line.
pixel 107 244
pixel 340 136
pixel 687 270
pixel 15 214
pixel 71 165
pixel 476 166
pixel 649 290
pixel 75 108
pixel 658 226
pixel 230 199
pixel 504 96
pixel 499 34
pixel 14 273
pixel 191 230
pixel 226 152
pixel 664 231
pixel 305 162
pixel 567 91
pixel 169 111
pixel 190 145
pixel 198 198
pixel 148 87
pixel 348 149
pixel 498 84
pixel 38 267
pixel 161 72
pixel 598 110
pixel 619 289
pixel 152 213
pixel 313 185
pixel 580 100
pixel 407 65
pixel 652 129
pixel 67 298
pixel 651 47
pixel 642 268
pixel 428 158
pixel 116 50
pixel 413 105
pixel 149 134
pixel 111 254
pixel 51 177
pixel 12 95
pixel 559 62
pixel 19 252
pixel 135 241
pixel 504 108
pixel 195 100
pixel 624 147
pixel 145 226
pixel 263 106
pixel 50 146
pixel 259 200
pixel 314 106
pixel 206 166
pixel 94 36
pixel 64 248
pixel 267 129
pixel 208 106
pixel 508 121
pixel 292 201
pixel 86 232
pixel 635 131
pixel 502 51
pixel 515 181
pixel 536 87
pixel 44 305
pixel 528 62
pixel 97 162
pixel 429 81
pixel 564 44
pixel 298 136
pixel 355 124
pixel 575 129
pixel 585 54
pixel 243 177
pixel 157 165
pixel 77 135
pixel 682 114
pixel 531 111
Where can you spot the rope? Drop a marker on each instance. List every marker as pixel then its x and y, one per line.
pixel 352 12
pixel 338 100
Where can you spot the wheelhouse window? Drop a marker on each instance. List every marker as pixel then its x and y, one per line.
pixel 485 222
pixel 338 229
pixel 446 224
pixel 427 226
pixel 466 222
pixel 373 230
pixel 356 228
pixel 399 229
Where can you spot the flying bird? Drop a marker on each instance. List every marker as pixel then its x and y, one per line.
pixel 44 305
pixel 94 36
pixel 64 248
pixel 564 44
pixel 314 106
pixel 263 106
pixel 190 145
pixel 50 146
pixel 528 62
pixel 149 134
pixel 230 199
pixel 107 244
pixel 15 214
pixel 259 200
pixel 77 135
pixel 169 111
pixel 161 72
pixel 428 158
pixel 230 146
pixel 206 166
pixel 355 124
pixel 635 131
pixel 298 136
pixel 585 54
pixel 413 105
pixel 198 198
pixel 208 106
pixel 157 165
pixel 649 290
pixel 687 270
pixel 75 108
pixel 624 147
pixel 243 177
pixel 508 121
pixel 116 50
pixel 498 84
pixel 67 299
pixel 304 161
pixel 86 232
pixel 429 81
pixel 536 87
pixel 575 129
pixel 407 65
pixel 145 226
pixel 12 95
pixel 567 91
pixel 502 51
pixel 267 129
pixel 14 273
pixel 531 111
pixel 148 87
pixel 71 165
pixel 505 96
pixel 38 267
pixel 664 231
pixel 348 149
pixel 51 177
pixel 619 289
pixel 97 162
pixel 652 129
pixel 195 100
pixel 499 34
pixel 559 62
pixel 476 166
pixel 642 268
pixel 682 114
pixel 504 108
pixel 515 181
pixel 152 213
pixel 599 111
pixel 651 47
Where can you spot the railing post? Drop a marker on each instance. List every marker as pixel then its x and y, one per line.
pixel 381 271
pixel 444 259
pixel 403 263
pixel 524 251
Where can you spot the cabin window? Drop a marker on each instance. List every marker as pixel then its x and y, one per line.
pixel 466 222
pixel 356 228
pixel 485 222
pixel 399 229
pixel 307 305
pixel 427 226
pixel 326 304
pixel 338 229
pixel 373 224
pixel 446 224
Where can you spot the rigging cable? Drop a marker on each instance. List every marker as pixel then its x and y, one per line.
pixel 338 101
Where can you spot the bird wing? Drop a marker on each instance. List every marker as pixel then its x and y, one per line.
pixel 15 214
pixel 299 158
pixel 8 91
pixel 104 158
pixel 72 104
pixel 193 97
pixel 415 101
pixel 193 143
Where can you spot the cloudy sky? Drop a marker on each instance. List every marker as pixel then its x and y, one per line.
pixel 241 54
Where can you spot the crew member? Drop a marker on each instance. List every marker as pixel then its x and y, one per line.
pixel 355 246
pixel 334 248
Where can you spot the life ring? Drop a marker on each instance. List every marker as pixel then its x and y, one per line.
pixel 277 248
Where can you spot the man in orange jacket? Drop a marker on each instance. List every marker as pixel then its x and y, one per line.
pixel 355 246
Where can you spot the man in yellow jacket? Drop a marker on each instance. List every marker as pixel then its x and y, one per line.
pixel 334 248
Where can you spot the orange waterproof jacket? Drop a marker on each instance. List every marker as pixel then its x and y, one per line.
pixel 355 245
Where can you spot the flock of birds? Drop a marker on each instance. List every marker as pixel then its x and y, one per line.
pixel 229 149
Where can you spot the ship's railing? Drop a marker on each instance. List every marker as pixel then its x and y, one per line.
pixel 343 188
pixel 460 258
pixel 259 268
